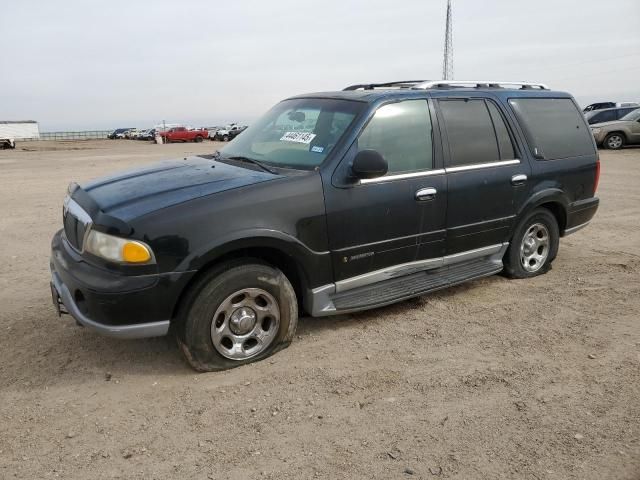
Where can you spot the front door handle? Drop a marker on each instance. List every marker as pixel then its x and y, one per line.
pixel 519 179
pixel 425 194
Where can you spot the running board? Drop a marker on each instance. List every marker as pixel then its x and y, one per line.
pixel 408 286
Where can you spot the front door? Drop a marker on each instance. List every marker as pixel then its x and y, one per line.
pixel 378 226
pixel 487 179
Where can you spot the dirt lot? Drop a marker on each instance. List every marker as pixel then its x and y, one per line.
pixel 536 379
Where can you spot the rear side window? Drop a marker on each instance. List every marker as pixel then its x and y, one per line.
pixel 555 128
pixel 476 132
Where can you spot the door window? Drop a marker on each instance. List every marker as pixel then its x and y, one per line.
pixel 471 133
pixel 505 144
pixel 402 133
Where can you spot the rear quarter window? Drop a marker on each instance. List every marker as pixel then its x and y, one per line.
pixel 555 128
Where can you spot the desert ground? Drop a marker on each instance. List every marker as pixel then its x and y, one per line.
pixel 533 379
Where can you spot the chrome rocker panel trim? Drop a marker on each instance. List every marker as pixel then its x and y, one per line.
pixel 320 303
pixel 571 230
pixel 143 330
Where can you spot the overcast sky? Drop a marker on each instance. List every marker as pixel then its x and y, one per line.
pixel 81 64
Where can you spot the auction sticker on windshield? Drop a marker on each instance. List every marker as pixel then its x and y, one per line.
pixel 298 137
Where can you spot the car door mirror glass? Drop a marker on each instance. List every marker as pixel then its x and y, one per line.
pixel 369 164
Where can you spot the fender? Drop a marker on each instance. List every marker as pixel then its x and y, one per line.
pixel 540 197
pixel 313 266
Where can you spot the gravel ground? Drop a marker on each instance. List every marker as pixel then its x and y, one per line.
pixel 535 379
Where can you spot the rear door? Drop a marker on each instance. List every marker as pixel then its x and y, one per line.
pixel 381 225
pixel 486 176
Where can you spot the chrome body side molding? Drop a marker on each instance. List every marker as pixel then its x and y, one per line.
pixel 319 302
pixel 478 166
pixel 402 176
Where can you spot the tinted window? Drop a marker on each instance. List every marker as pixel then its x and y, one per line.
pixel 401 132
pixel 623 111
pixel 554 127
pixel 504 139
pixel 608 116
pixel 470 131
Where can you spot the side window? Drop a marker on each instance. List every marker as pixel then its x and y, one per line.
pixel 608 116
pixel 555 128
pixel 402 133
pixel 505 144
pixel 470 132
pixel 623 111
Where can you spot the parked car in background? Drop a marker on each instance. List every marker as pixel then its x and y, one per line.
pixel 148 134
pixel 118 133
pixel 129 134
pixel 615 135
pixel 183 134
pixel 628 104
pixel 607 114
pixel 6 142
pixel 599 106
pixel 229 132
pixel 388 192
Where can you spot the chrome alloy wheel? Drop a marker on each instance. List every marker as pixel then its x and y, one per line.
pixel 245 323
pixel 614 141
pixel 534 248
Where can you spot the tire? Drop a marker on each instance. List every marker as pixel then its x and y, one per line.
pixel 534 245
pixel 614 141
pixel 225 138
pixel 198 139
pixel 228 310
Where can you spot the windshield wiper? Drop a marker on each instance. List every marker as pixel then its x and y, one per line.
pixel 255 162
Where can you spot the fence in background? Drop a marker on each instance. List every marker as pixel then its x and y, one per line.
pixel 81 135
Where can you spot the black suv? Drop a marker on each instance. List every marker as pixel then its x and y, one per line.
pixel 330 203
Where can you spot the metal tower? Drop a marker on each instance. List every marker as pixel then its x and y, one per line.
pixel 447 63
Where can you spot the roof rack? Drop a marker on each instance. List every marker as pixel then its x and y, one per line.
pixel 398 84
pixel 478 84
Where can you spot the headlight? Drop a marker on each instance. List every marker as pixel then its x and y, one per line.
pixel 595 131
pixel 117 249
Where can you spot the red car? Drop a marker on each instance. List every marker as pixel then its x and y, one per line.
pixel 182 134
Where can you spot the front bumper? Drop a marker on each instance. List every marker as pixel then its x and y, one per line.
pixel 111 303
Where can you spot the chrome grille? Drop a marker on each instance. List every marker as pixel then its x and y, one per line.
pixel 76 223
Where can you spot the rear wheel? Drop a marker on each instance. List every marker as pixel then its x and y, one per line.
pixel 198 139
pixel 534 245
pixel 614 141
pixel 235 314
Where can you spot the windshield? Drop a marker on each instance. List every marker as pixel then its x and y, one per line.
pixel 297 133
pixel 632 116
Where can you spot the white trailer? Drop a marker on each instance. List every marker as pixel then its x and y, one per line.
pixel 10 131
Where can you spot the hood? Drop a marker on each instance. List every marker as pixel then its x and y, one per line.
pixel 137 192
pixel 608 124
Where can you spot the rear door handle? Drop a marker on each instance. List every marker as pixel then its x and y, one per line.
pixel 425 194
pixel 519 179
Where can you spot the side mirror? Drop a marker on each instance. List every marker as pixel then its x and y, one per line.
pixel 369 164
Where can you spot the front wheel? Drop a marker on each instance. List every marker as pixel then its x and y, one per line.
pixel 534 245
pixel 225 138
pixel 614 141
pixel 236 314
pixel 198 139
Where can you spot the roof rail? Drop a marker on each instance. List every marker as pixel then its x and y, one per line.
pixel 478 84
pixel 371 86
